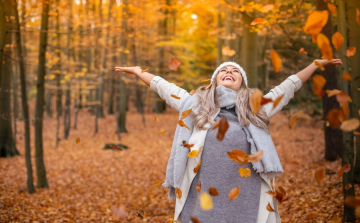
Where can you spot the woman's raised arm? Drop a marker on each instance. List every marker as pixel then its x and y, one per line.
pixel 306 73
pixel 146 77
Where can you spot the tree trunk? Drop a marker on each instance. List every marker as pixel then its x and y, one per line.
pixel 111 79
pixel 104 31
pixel 219 40
pixel 39 110
pixel 58 76
pixel 25 108
pixel 333 137
pixel 67 118
pixel 229 30
pixel 7 143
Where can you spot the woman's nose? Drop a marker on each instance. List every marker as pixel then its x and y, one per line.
pixel 229 71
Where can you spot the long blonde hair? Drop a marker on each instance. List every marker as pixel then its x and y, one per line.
pixel 209 106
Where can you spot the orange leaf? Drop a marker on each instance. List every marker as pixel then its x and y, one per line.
pixel 157 182
pixel 206 80
pixel 185 113
pixel 198 187
pixel 295 117
pixel 265 101
pixel 319 65
pixel 352 201
pixel 346 76
pixel 358 16
pixel 276 60
pixel 193 154
pixel 318 83
pixel 350 125
pixel 195 219
pixel 223 126
pixel 244 172
pixel 115 147
pixel 345 111
pixel 156 119
pixel 174 64
pixel 335 116
pixel 196 169
pixel 213 191
pixel 346 168
pixel 324 46
pixel 343 97
pixel 271 193
pixel 302 51
pixel 119 212
pixel 187 145
pixel 267 8
pixel 182 124
pixel 311 215
pixel 77 140
pixel 234 193
pixel 228 52
pixel 348 187
pixel 258 21
pixel 316 21
pixel 255 100
pixel 174 96
pixel 269 208
pixel 320 175
pixel 350 51
pixel 277 100
pixel 253 158
pixel 331 93
pixel 161 132
pixel 337 39
pixel 332 8
pixel 237 156
pixel 146 70
pixel 192 92
pixel 178 193
pixel 209 86
pixel 206 201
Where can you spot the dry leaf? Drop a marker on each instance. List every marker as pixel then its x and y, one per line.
pixel 244 172
pixel 318 84
pixel 174 96
pixel 206 80
pixel 345 111
pixel 209 86
pixel 332 8
pixel 331 93
pixel 258 21
pixel 161 132
pixel 157 182
pixel 291 165
pixel 350 125
pixel 324 46
pixel 348 187
pixel 337 39
pixel 280 194
pixel 350 51
pixel 267 8
pixel 213 191
pixel 295 117
pixel 182 124
pixel 335 220
pixel 315 22
pixel 238 156
pixel 195 219
pixel 358 16
pixel 187 145
pixel 346 168
pixel 272 193
pixel 352 201
pixel 269 208
pixel 234 193
pixel 343 97
pixel 277 100
pixel 119 212
pixel 196 169
pixel 117 148
pixel 146 70
pixel 319 65
pixel 198 187
pixel 253 158
pixel 255 100
pixel 185 113
pixel 346 76
pixel 311 215
pixel 320 175
pixel 178 193
pixel 276 61
pixel 156 119
pixel 192 92
pixel 174 64
pixel 335 116
pixel 222 124
pixel 206 201
pixel 193 154
pixel 77 140
pixel 302 51
pixel 228 52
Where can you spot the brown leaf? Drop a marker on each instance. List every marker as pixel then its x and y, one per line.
pixel 324 46
pixel 238 156
pixel 187 145
pixel 222 128
pixel 182 124
pixel 213 191
pixel 343 97
pixel 185 113
pixel 311 215
pixel 352 201
pixel 318 84
pixel 174 96
pixel 291 165
pixel 320 175
pixel 178 193
pixel 348 187
pixel 271 193
pixel 255 100
pixel 119 212
pixel 335 116
pixel 174 64
pixel 234 193
pixel 350 51
pixel 206 201
pixel 276 61
pixel 253 158
pixel 346 76
pixel 198 187
pixel 346 168
pixel 77 140
pixel 115 147
pixel 195 219
pixel 319 65
pixel 269 208
pixel 258 21
pixel 161 132
pixel 337 39
pixel 331 93
pixel 196 169
pixel 277 100
pixel 345 111
pixel 302 51
pixel 280 194
pixel 350 125
pixel 265 101
pixel 295 117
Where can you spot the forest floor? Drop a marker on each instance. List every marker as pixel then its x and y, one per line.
pixel 86 181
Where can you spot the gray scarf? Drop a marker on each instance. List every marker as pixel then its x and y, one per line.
pixel 259 139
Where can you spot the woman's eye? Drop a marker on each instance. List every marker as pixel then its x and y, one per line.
pixel 236 71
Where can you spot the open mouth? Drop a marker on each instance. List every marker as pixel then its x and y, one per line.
pixel 228 78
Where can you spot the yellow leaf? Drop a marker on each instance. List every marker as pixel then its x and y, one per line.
pixel 206 201
pixel 185 113
pixel 350 51
pixel 234 193
pixel 332 8
pixel 320 175
pixel 178 193
pixel 337 39
pixel 77 140
pixel 182 124
pixel 276 61
pixel 319 65
pixel 350 125
pixel 206 80
pixel 324 46
pixel 244 172
pixel 193 154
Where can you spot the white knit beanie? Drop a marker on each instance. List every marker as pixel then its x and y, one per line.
pixel 243 74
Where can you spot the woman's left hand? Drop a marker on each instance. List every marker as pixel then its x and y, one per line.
pixel 329 62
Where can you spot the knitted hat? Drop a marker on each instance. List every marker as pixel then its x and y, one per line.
pixel 243 74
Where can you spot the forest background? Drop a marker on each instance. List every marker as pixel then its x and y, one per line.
pixel 59 92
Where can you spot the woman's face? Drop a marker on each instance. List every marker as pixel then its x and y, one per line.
pixel 230 77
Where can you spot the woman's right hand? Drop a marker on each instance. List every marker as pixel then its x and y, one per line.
pixel 130 70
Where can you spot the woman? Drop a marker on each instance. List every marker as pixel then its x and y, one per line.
pixel 187 177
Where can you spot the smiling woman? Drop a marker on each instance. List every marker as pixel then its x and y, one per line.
pixel 206 165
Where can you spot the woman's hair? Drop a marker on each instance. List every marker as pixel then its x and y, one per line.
pixel 209 105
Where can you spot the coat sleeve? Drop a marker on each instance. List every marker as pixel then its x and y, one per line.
pixel 166 89
pixel 287 88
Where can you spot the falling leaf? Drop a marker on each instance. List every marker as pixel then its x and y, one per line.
pixel 276 60
pixel 318 84
pixel 192 92
pixel 315 22
pixel 324 46
pixel 157 182
pixel 228 52
pixel 269 208
pixel 295 117
pixel 234 193
pixel 193 154
pixel 302 51
pixel 178 193
pixel 196 169
pixel 146 70
pixel 156 119
pixel 244 172
pixel 311 215
pixel 345 111
pixel 206 201
pixel 206 80
pixel 319 65
pixel 332 8
pixel 320 175
pixel 280 194
pixel 209 86
pixel 346 76
pixel 255 100
pixel 348 187
pixel 258 21
pixel 174 96
pixel 77 140
pixel 161 132
pixel 119 212
pixel 343 97
pixel 335 117
pixel 174 64
pixel 337 39
pixel 117 148
pixel 213 191
pixel 350 51
pixel 277 100
pixel 291 166
pixel 272 193
pixel 238 156
pixel 267 8
pixel 331 93
pixel 352 201
pixel 185 113
pixel 346 168
pixel 253 158
pixel 350 125
pixel 358 16
pixel 195 220
pixel 198 186
pixel 222 124
pixel 182 124
pixel 187 145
